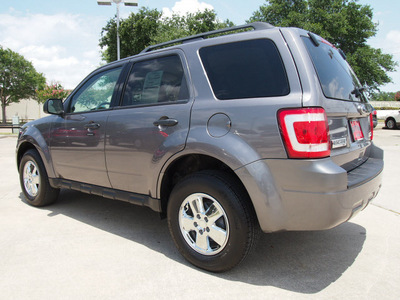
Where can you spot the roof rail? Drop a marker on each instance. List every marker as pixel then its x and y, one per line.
pixel 255 26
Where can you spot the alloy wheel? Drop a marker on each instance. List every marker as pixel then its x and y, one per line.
pixel 204 224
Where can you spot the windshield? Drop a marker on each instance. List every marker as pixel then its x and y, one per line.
pixel 337 79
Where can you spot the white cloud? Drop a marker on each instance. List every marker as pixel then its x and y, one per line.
pixel 392 46
pixel 64 47
pixel 393 39
pixel 186 6
pixel 41 52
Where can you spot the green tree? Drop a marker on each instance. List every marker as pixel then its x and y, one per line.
pixel 53 90
pixel 135 33
pixel 203 21
pixel 382 96
pixel 149 27
pixel 177 26
pixel 282 13
pixel 344 23
pixel 18 79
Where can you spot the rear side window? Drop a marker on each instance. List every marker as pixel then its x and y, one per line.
pixel 337 79
pixel 246 69
pixel 159 80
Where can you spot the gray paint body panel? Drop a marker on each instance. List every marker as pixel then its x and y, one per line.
pixel 136 150
pixel 78 152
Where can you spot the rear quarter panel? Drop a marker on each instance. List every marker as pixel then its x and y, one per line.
pixel 253 132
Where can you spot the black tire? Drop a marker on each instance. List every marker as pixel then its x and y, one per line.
pixel 391 123
pixel 34 180
pixel 228 217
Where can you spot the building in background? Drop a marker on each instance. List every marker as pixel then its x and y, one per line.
pixel 26 110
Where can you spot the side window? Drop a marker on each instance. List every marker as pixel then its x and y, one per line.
pixel 96 93
pixel 247 69
pixel 159 80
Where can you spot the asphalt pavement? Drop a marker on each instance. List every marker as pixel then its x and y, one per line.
pixel 87 247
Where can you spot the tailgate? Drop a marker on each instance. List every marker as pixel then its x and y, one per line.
pixel 346 105
pixel 351 134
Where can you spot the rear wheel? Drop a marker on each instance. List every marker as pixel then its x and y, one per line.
pixel 391 123
pixel 211 221
pixel 34 181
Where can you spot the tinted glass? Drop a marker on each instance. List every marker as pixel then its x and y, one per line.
pixel 337 79
pixel 159 80
pixel 96 93
pixel 247 69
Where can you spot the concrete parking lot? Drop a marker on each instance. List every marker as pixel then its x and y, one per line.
pixel 87 247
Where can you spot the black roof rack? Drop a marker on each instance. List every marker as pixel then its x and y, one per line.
pixel 255 26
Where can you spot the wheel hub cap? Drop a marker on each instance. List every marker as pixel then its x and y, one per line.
pixel 204 224
pixel 31 178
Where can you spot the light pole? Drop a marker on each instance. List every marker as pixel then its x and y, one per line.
pixel 126 3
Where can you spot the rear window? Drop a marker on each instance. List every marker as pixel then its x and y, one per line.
pixel 337 79
pixel 246 69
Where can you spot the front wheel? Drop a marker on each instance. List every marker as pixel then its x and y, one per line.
pixel 34 181
pixel 211 220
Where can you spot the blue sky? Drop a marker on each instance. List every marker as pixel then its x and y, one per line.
pixel 61 37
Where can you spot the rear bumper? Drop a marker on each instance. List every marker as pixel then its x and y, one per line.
pixel 310 194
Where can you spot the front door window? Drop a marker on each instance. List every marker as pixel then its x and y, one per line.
pixel 96 93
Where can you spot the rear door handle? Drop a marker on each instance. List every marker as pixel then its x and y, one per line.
pixel 92 125
pixel 165 122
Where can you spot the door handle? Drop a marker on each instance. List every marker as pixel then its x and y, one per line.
pixel 92 125
pixel 165 122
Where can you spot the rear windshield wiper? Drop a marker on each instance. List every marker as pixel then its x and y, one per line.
pixel 314 39
pixel 358 91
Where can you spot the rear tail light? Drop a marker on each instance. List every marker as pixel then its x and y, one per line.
pixel 305 132
pixel 371 125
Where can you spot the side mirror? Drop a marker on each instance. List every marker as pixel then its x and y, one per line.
pixel 53 107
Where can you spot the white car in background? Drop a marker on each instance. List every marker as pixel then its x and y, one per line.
pixel 391 117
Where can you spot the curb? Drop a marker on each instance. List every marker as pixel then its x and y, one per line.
pixel 3 136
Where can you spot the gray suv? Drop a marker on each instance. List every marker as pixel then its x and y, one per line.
pixel 224 134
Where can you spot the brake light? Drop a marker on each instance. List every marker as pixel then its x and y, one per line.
pixel 305 132
pixel 371 125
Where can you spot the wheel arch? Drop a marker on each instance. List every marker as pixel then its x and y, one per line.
pixel 25 146
pixel 22 149
pixel 189 164
pixel 38 143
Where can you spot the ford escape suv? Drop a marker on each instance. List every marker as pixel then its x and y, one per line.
pixel 224 134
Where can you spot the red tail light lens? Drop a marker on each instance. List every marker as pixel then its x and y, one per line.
pixel 305 132
pixel 371 125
